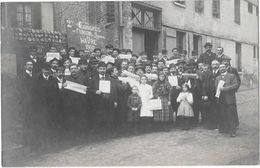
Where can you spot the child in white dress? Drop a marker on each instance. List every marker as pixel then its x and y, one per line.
pixel 185 110
pixel 146 93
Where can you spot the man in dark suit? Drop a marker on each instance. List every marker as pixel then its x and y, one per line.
pixel 208 96
pixel 104 104
pixel 227 101
pixel 37 62
pixel 25 96
pixel 45 105
pixel 208 56
pixel 226 60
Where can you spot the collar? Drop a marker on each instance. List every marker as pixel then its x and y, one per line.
pixel 60 79
pixel 221 55
pixel 224 74
pixel 46 77
pixel 53 70
pixel 100 76
pixel 28 72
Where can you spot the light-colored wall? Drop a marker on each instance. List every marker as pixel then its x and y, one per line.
pixel 224 27
pixel 47 16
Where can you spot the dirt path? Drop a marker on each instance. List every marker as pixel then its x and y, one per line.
pixel 176 147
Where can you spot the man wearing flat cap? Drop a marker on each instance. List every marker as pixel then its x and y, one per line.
pixel 55 63
pixel 208 56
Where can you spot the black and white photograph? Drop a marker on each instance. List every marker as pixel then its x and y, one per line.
pixel 129 83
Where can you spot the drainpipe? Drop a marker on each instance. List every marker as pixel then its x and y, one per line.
pixel 6 22
pixel 121 25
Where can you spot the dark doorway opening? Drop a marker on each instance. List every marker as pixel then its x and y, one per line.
pixel 151 42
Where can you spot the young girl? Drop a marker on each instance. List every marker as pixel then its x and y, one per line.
pixel 185 110
pixel 134 104
pixel 146 93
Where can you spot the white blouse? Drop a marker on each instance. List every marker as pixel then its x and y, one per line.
pixel 185 96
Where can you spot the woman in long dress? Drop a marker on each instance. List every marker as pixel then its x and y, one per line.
pixel 161 89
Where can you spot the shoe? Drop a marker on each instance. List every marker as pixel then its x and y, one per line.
pixel 233 135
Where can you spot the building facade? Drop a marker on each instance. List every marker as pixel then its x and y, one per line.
pixel 146 26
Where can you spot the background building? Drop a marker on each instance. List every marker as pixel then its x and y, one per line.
pixel 141 26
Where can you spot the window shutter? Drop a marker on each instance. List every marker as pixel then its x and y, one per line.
pixel 216 8
pixel 36 15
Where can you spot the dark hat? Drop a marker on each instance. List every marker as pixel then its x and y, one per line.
pixel 175 49
pixel 61 69
pixel 131 64
pixel 93 61
pixel 172 65
pixel 148 63
pixel 115 49
pixel 96 49
pixel 139 67
pixel 164 51
pixel 134 55
pixel 155 53
pixel 161 60
pixel 180 61
pixel 207 44
pixel 191 63
pixel 55 59
pixel 225 57
pixel 109 46
pixel 33 48
pixel 46 66
pixel 71 48
pixel 122 50
pixel 102 64
pixel 128 50
pixel 165 67
pixel 83 62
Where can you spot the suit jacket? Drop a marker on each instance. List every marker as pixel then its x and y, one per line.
pixel 234 71
pixel 228 94
pixel 207 58
pixel 208 84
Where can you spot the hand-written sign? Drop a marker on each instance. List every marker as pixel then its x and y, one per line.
pixel 84 36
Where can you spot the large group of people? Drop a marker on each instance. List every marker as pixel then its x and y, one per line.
pixel 204 86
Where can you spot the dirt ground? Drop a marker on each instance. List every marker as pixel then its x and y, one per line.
pixel 161 148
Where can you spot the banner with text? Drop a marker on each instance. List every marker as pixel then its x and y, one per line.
pixel 84 36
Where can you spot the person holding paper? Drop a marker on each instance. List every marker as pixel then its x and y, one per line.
pixel 227 101
pixel 66 64
pixel 75 103
pixel 161 89
pixel 104 103
pixel 142 59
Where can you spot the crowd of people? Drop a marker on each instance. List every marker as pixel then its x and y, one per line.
pixel 48 108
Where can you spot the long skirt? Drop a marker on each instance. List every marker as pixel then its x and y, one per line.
pixel 185 110
pixel 166 113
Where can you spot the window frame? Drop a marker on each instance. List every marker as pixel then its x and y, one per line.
pixel 250 7
pixel 199 6
pixel 216 14
pixel 23 12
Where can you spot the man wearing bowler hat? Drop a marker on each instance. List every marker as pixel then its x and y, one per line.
pixel 208 56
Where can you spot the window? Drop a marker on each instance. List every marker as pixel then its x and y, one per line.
pixel 180 3
pixel 216 8
pixel 110 11
pixel 180 40
pixel 256 10
pixel 24 15
pixel 237 11
pixel 238 54
pixel 254 56
pixel 199 6
pixel 250 7
pixel 145 17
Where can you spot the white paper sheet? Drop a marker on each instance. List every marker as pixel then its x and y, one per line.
pixel 104 86
pixel 51 55
pixel 125 56
pixel 151 76
pixel 76 87
pixel 132 81
pixel 173 80
pixel 174 61
pixel 189 75
pixel 155 104
pixel 107 59
pixel 75 60
pixel 220 84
